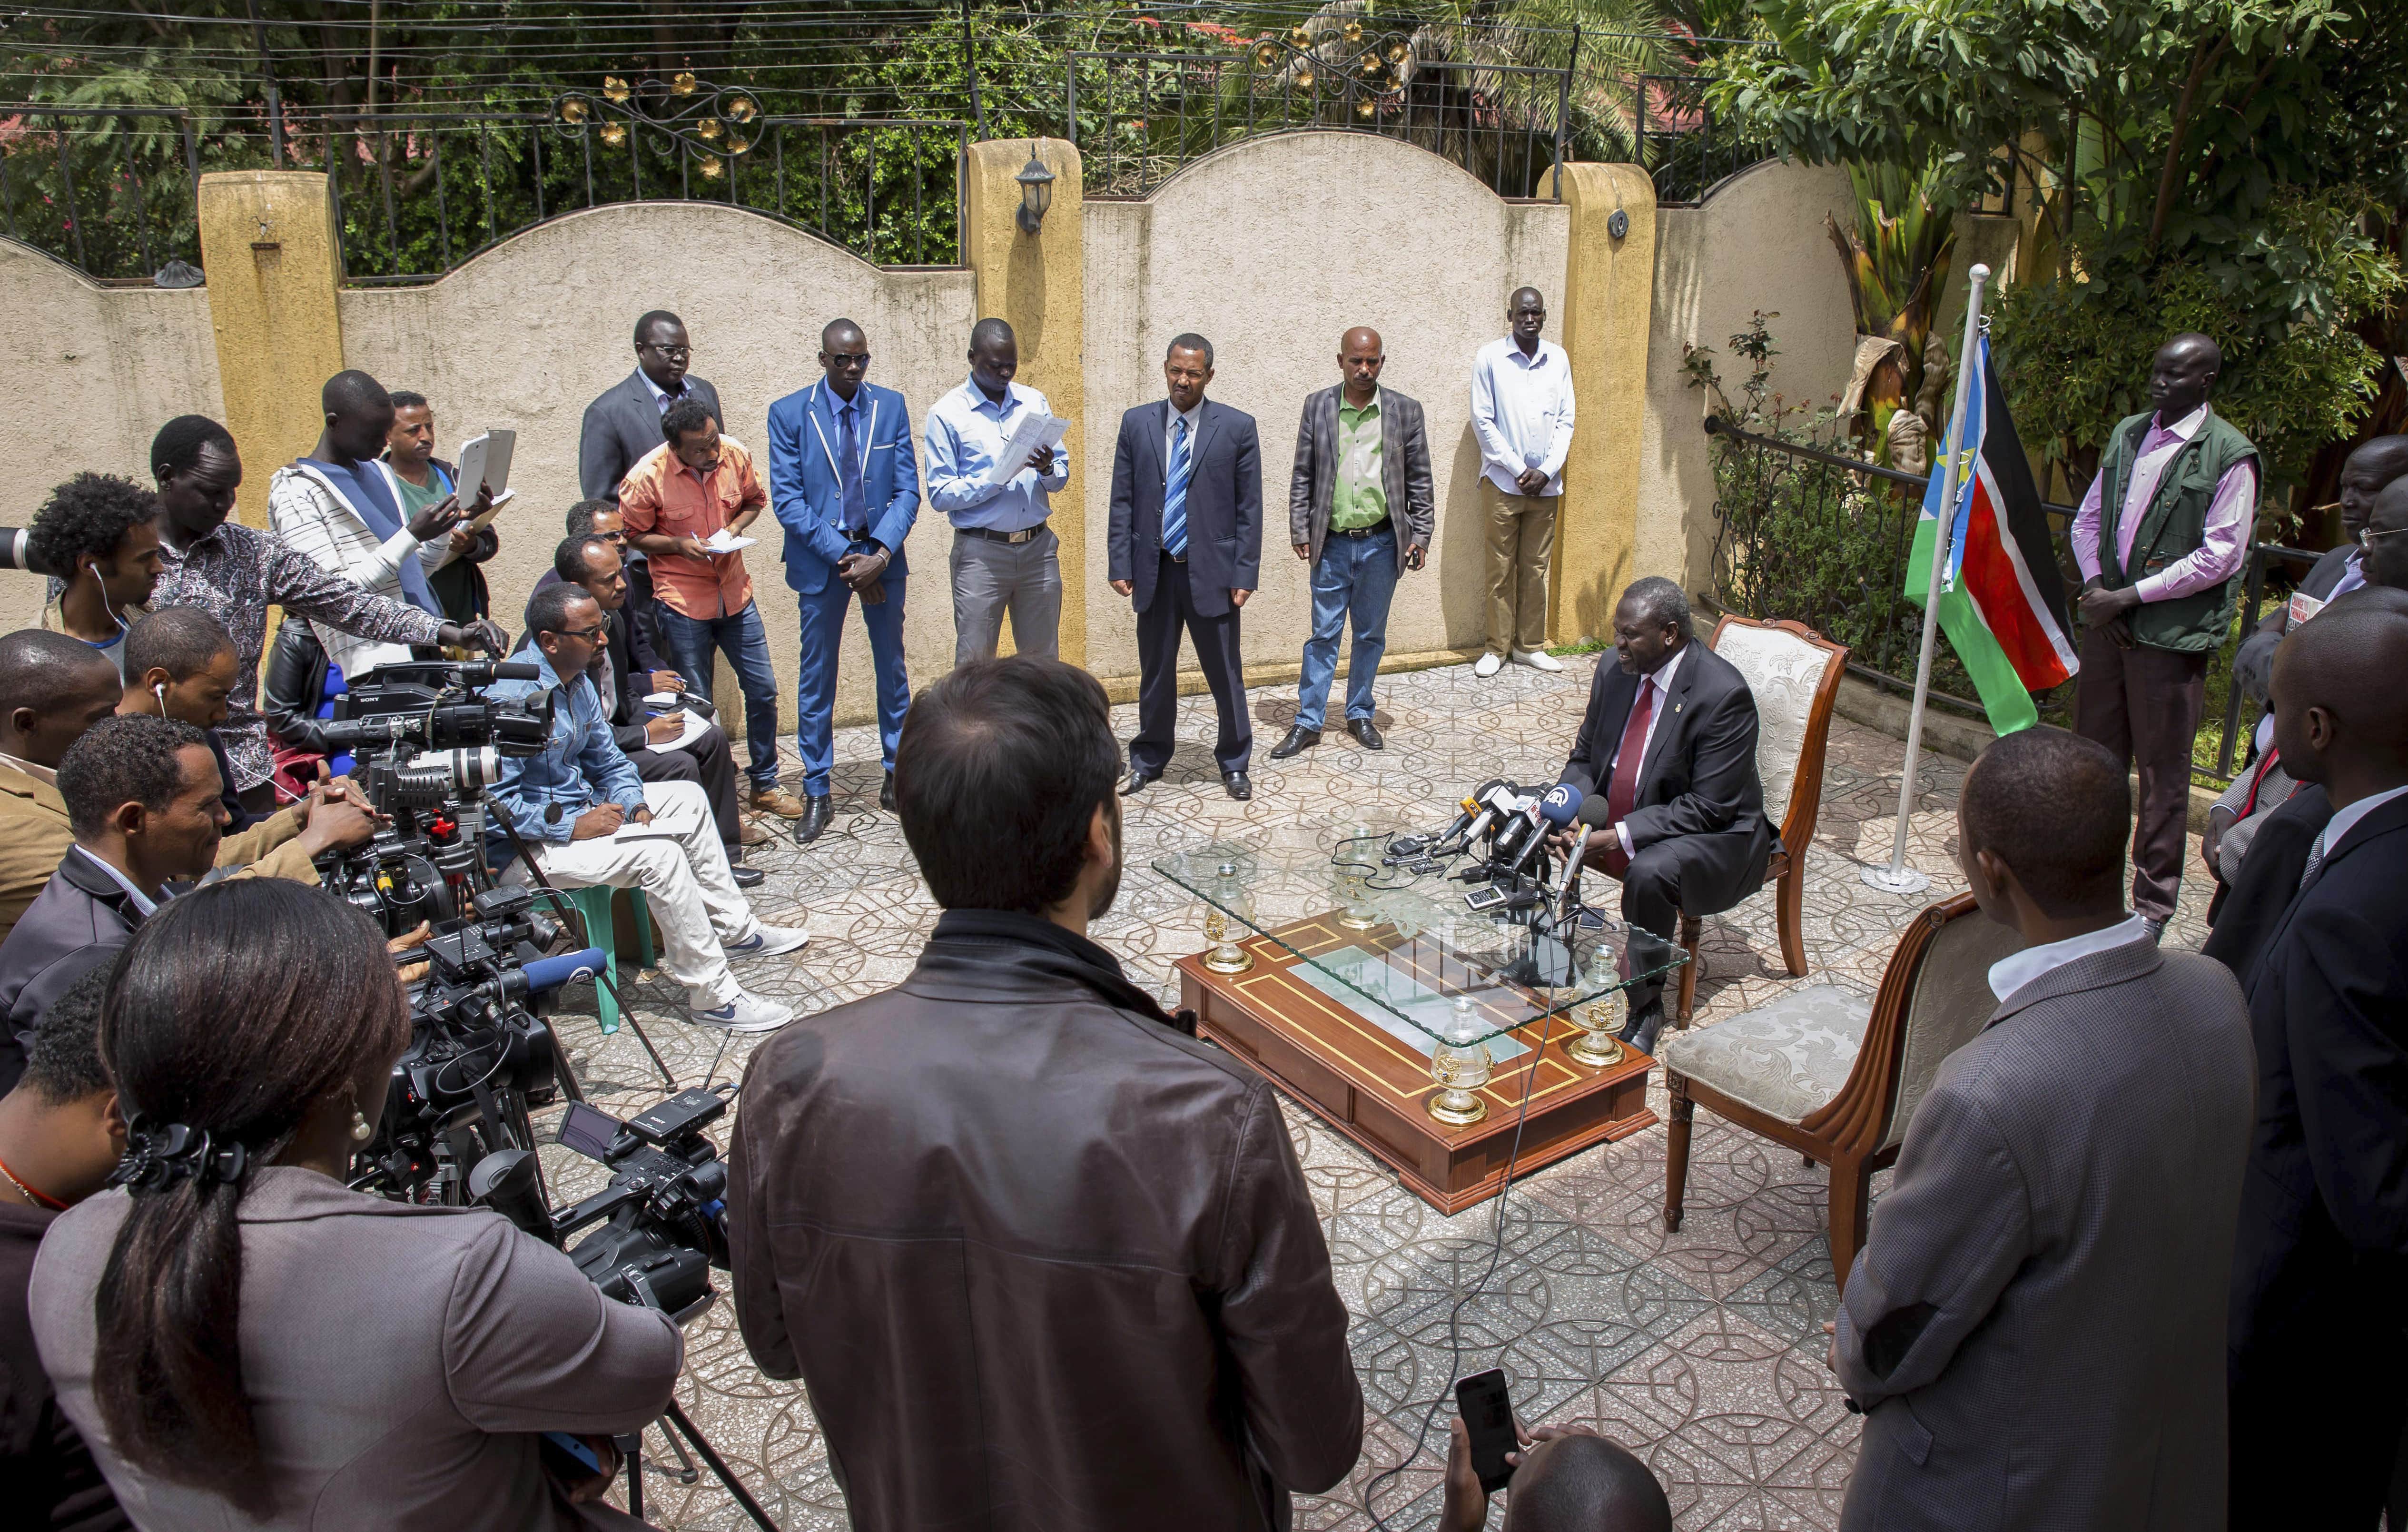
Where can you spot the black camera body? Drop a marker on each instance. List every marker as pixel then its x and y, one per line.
pixel 480 1055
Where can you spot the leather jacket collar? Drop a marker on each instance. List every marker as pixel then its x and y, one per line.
pixel 1040 947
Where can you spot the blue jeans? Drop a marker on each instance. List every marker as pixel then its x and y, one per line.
pixel 1356 575
pixel 739 636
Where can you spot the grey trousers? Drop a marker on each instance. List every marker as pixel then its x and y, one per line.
pixel 989 576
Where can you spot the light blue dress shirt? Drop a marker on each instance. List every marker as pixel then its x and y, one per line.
pixel 966 432
pixel 581 764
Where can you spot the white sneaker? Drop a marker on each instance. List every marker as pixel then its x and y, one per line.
pixel 1537 659
pixel 768 941
pixel 1487 665
pixel 747 1012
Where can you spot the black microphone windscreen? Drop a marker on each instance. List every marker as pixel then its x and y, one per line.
pixel 517 670
pixel 1595 811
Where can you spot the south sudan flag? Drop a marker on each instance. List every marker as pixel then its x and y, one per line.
pixel 2002 601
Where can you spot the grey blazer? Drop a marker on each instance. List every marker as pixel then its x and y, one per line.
pixel 2036 1325
pixel 1404 470
pixel 623 424
pixel 400 1360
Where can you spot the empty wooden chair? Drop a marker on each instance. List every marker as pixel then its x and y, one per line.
pixel 1834 1076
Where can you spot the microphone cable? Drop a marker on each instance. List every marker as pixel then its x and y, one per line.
pixel 1454 1313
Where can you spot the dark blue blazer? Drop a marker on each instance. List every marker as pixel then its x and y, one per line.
pixel 807 496
pixel 2323 1243
pixel 1225 505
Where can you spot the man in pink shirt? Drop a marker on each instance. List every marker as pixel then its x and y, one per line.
pixel 2159 537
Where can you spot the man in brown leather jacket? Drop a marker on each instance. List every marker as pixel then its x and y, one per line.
pixel 1043 1259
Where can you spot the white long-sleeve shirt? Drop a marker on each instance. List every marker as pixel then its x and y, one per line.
pixel 2224 541
pixel 1521 412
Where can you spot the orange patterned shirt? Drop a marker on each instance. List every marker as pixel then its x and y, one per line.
pixel 662 495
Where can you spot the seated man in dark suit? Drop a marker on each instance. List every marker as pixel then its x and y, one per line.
pixel 2373 465
pixel 1669 737
pixel 2318 1354
pixel 624 670
pixel 142 799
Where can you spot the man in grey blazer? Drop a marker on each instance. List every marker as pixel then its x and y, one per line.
pixel 1359 511
pixel 625 424
pixel 2035 1329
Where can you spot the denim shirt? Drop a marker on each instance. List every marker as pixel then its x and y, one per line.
pixel 581 764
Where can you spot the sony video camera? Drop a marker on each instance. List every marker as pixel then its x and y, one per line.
pixel 480 1054
pixel 428 741
pixel 664 1216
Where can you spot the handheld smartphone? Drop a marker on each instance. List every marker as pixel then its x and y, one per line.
pixel 1488 1417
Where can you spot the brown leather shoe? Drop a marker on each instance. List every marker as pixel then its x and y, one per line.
pixel 750 834
pixel 778 801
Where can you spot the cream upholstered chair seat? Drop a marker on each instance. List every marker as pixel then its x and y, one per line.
pixel 1784 1058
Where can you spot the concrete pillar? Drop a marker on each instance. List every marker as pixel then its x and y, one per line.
pixel 269 246
pixel 1037 284
pixel 1609 291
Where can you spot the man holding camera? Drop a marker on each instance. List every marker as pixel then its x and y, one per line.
pixel 1155 1337
pixel 590 820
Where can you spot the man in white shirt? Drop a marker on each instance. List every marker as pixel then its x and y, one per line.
pixel 1003 552
pixel 2158 537
pixel 1521 412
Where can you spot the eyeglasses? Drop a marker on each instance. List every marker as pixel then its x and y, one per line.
pixel 848 359
pixel 675 354
pixel 581 635
pixel 2366 535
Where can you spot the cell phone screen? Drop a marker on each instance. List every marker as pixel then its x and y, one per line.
pixel 1488 1417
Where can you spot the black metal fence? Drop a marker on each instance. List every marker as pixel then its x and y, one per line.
pixel 1137 117
pixel 1679 142
pixel 111 189
pixel 1825 537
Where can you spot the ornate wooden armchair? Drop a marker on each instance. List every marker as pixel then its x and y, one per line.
pixel 1795 673
pixel 1833 1076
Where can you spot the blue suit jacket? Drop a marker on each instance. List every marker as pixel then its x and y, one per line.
pixel 808 500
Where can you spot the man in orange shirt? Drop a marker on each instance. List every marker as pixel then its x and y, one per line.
pixel 678 501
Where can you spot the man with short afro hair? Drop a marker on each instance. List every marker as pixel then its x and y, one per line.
pixel 101 534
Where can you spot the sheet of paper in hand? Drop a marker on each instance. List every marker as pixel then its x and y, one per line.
pixel 1033 431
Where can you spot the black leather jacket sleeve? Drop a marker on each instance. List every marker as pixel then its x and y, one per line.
pixel 295 678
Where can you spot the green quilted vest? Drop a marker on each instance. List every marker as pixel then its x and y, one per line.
pixel 2172 525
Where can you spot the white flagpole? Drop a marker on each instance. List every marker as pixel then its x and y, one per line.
pixel 1898 878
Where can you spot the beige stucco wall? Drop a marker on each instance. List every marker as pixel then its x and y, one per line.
pixel 527 334
pixel 107 366
pixel 1756 243
pixel 1272 250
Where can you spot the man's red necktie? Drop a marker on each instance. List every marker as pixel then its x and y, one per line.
pixel 1622 794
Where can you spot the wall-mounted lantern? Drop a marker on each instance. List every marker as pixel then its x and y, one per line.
pixel 1036 191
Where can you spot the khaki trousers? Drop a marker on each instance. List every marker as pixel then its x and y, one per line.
pixel 1521 542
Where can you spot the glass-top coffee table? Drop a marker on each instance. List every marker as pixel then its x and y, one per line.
pixel 1330 959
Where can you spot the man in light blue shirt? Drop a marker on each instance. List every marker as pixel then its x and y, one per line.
pixel 1003 552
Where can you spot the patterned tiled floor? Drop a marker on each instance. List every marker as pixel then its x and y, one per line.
pixel 1700 1351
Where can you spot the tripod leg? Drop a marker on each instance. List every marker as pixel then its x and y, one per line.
pixel 629 1017
pixel 631 1451
pixel 726 1475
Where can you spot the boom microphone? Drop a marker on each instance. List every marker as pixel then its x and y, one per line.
pixel 17 553
pixel 1595 814
pixel 547 973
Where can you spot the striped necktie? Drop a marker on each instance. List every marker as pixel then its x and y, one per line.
pixel 1174 493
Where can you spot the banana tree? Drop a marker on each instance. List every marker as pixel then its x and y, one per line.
pixel 1896 259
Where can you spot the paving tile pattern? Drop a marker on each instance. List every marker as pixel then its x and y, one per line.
pixel 1701 1351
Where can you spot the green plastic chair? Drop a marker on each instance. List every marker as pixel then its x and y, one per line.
pixel 594 904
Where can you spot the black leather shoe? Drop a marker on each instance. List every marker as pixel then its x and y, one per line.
pixel 748 877
pixel 1365 735
pixel 1296 743
pixel 1139 780
pixel 886 794
pixel 1639 1031
pixel 1239 787
pixel 817 811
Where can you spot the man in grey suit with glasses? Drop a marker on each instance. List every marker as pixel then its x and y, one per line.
pixel 1359 511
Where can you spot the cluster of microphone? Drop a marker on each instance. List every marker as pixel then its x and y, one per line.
pixel 1515 825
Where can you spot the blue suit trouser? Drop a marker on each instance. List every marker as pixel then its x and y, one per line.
pixel 823 633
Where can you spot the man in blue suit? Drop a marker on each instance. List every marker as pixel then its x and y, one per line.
pixel 843 482
pixel 1186 548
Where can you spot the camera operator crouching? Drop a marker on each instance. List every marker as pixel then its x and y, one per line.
pixel 590 819
pixel 239 1337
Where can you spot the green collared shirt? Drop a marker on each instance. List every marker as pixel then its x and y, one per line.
pixel 1359 499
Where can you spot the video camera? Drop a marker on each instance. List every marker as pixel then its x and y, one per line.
pixel 663 1215
pixel 17 553
pixel 480 1055
pixel 440 742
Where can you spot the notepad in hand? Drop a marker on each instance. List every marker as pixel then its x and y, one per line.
pixel 724 542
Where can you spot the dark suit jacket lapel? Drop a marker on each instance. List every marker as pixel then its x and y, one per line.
pixel 1392 461
pixel 1669 709
pixel 2389 819
pixel 1207 420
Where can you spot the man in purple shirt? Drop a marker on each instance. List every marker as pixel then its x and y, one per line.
pixel 2159 537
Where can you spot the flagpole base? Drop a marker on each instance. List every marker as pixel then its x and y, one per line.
pixel 1904 880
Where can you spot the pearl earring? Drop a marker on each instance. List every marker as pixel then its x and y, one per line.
pixel 360 1131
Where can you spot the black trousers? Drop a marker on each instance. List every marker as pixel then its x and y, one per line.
pixel 1696 874
pixel 707 762
pixel 643 608
pixel 1157 659
pixel 2145 704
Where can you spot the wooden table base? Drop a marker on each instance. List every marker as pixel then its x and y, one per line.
pixel 1376 1089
